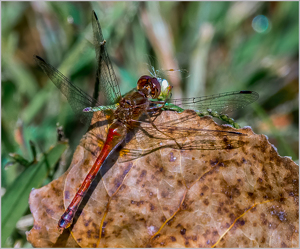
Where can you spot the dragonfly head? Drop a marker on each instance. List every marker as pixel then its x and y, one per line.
pixel 149 85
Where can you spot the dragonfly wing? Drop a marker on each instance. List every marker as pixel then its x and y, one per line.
pixel 222 103
pixel 180 133
pixel 77 98
pixel 105 77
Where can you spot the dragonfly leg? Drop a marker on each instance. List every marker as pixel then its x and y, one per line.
pixel 155 127
pixel 157 102
pixel 163 103
pixel 150 108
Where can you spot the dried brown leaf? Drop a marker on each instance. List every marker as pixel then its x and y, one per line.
pixel 222 190
pixel 46 205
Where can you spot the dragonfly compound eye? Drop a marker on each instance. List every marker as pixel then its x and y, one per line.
pixel 151 84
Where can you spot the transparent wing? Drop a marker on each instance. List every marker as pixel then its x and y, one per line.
pixel 222 103
pixel 77 98
pixel 105 77
pixel 180 134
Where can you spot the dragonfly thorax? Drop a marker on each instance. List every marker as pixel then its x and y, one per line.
pixel 131 107
pixel 149 86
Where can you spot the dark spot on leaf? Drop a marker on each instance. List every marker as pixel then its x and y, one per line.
pixel 207 233
pixel 214 162
pixel 206 202
pixel 67 195
pixel 170 221
pixel 143 174
pixel 49 211
pixel 163 219
pixel 241 222
pixel 164 194
pixel 251 195
pixel 204 188
pixel 183 231
pixel 172 157
pixel 291 194
pixel 179 182
pixel 232 217
pixel 119 180
pixel 281 215
pixel 231 191
pixel 184 205
pixel 152 207
pixel 103 229
pixel 263 219
pixel 86 223
pixel 156 236
pixel 282 200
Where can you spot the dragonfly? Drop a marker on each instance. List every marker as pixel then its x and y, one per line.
pixel 125 113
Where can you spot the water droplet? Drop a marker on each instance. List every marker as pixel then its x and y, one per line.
pixel 260 24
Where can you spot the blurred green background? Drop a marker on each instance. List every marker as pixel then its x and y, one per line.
pixel 225 46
